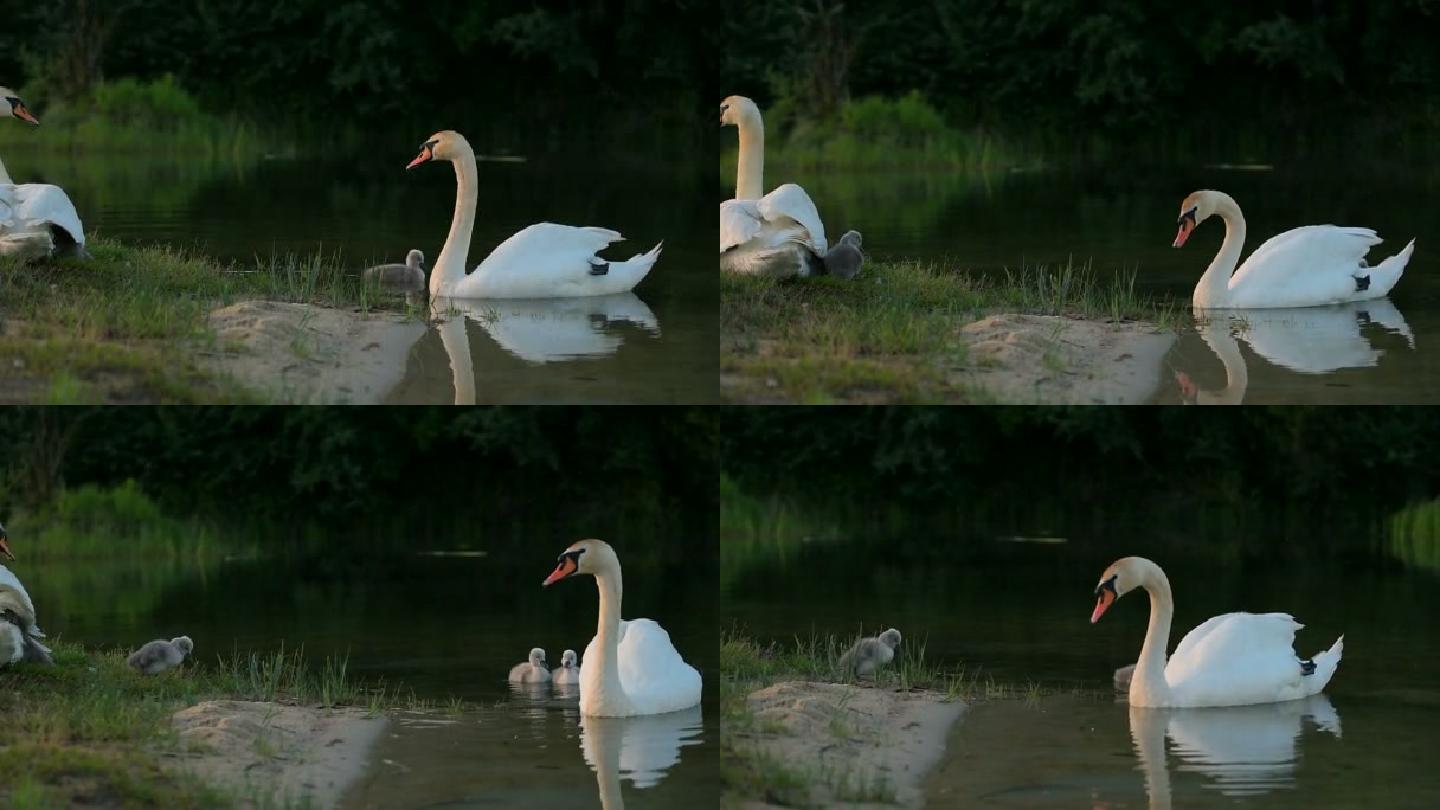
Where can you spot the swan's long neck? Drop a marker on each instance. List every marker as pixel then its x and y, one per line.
pixel 1213 290
pixel 607 635
pixel 750 174
pixel 1149 679
pixel 450 266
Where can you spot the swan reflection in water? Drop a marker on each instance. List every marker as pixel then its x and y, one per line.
pixel 537 331
pixel 640 749
pixel 1241 750
pixel 1311 340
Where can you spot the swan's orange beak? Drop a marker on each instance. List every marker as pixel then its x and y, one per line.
pixel 1186 226
pixel 5 548
pixel 1106 598
pixel 566 567
pixel 427 153
pixel 20 111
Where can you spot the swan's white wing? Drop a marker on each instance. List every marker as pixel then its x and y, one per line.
pixel 655 677
pixel 1313 265
pixel 14 597
pixel 48 205
pixel 791 202
pixel 740 221
pixel 553 261
pixel 1237 659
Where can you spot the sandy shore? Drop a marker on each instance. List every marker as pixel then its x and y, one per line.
pixel 309 354
pixel 1053 359
pixel 835 733
pixel 270 753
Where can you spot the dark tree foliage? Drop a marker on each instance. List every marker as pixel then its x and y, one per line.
pixel 1105 64
pixel 381 63
pixel 349 467
pixel 1297 455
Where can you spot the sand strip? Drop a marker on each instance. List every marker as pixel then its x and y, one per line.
pixel 849 738
pixel 271 753
pixel 310 354
pixel 1052 359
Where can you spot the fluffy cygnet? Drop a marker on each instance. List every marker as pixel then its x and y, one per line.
pixel 532 671
pixel 869 654
pixel 569 669
pixel 159 655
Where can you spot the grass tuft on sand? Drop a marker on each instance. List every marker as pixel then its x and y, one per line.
pixel 893 334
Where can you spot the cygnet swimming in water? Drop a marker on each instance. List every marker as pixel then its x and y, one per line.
pixel 532 671
pixel 407 277
pixel 569 669
pixel 159 655
pixel 869 654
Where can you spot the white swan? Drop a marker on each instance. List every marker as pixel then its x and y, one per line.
pixel 1304 267
pixel 19 634
pixel 1232 660
pixel 532 670
pixel 630 667
pixel 777 234
pixel 36 219
pixel 541 261
pixel 569 670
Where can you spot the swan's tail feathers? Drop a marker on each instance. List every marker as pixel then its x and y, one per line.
pixel 1382 277
pixel 1325 664
pixel 623 276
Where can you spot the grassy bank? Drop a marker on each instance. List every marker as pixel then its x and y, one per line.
pixel 131 116
pixel 96 522
pixel 124 325
pixel 892 334
pixel 91 730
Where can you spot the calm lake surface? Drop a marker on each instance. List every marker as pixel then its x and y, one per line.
pixel 1123 220
pixel 1005 607
pixel 658 345
pixel 445 627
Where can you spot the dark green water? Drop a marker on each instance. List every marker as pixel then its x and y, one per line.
pixel 656 346
pixel 444 626
pixel 1123 219
pixel 976 597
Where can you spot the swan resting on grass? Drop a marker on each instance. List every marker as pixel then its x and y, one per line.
pixel 531 671
pixel 777 234
pixel 37 220
pixel 869 654
pixel 19 634
pixel 159 655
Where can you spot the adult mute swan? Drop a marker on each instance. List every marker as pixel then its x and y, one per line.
pixel 36 219
pixel 1236 659
pixel 630 667
pixel 1304 267
pixel 541 261
pixel 777 234
pixel 19 634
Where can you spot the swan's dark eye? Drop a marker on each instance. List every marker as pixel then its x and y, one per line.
pixel 1107 585
pixel 1190 215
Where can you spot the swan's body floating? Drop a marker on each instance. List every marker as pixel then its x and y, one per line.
pixel 869 654
pixel 541 261
pixel 630 667
pixel 533 670
pixel 159 655
pixel 19 634
pixel 407 277
pixel 1232 660
pixel 777 234
pixel 569 669
pixel 1304 267
pixel 36 220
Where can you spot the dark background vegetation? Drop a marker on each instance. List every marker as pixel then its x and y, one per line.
pixel 556 71
pixel 1065 72
pixel 378 477
pixel 1294 465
